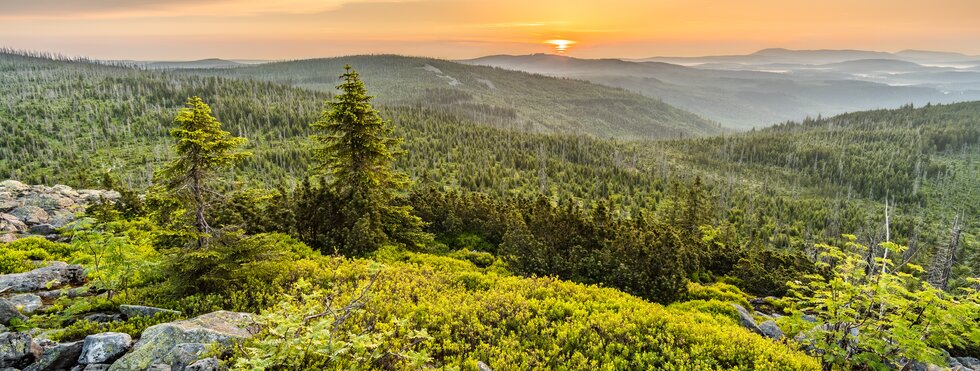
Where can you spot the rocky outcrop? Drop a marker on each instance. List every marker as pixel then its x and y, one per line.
pixel 771 330
pixel 58 357
pixel 41 210
pixel 104 348
pixel 55 275
pixel 745 319
pixel 18 350
pixel 163 343
pixel 8 311
pixel 26 303
pixel 207 364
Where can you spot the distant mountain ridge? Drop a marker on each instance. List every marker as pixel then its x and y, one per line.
pixel 772 85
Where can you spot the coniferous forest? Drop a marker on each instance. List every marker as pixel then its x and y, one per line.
pixel 504 221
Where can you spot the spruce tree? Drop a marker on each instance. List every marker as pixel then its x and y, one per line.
pixel 202 150
pixel 355 150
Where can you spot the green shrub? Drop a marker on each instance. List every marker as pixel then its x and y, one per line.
pixel 468 315
pixel 718 291
pixel 18 256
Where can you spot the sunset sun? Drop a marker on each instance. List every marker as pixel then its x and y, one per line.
pixel 560 45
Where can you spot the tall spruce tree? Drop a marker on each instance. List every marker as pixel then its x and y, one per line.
pixel 355 152
pixel 203 149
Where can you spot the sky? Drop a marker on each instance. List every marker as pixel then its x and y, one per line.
pixel 458 29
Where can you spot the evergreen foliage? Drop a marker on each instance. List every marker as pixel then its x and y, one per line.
pixel 202 150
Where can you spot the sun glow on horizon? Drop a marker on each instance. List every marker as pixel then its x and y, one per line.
pixel 561 45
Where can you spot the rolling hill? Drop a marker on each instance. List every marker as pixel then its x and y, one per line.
pixel 761 89
pixel 501 98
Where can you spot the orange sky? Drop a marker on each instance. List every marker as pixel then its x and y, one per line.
pixel 291 29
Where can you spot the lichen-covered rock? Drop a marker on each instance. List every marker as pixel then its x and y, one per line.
pixel 132 311
pixel 745 319
pixel 8 311
pixel 158 342
pixel 18 350
pixel 207 364
pixel 58 357
pixel 14 186
pixel 771 330
pixel 55 275
pixel 30 214
pixel 102 317
pixel 104 348
pixel 26 303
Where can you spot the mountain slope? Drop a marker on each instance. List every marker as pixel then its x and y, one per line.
pixel 745 99
pixel 501 98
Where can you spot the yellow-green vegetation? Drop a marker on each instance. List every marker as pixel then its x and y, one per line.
pixel 444 312
pixel 21 255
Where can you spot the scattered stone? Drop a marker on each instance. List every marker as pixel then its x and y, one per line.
pixel 104 348
pixel 209 364
pixel 18 350
pixel 160 341
pixel 26 303
pixel 8 311
pixel 482 366
pixel 59 357
pixel 132 311
pixel 771 330
pixel 809 318
pixel 745 319
pixel 53 276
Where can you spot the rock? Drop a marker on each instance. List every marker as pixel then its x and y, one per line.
pixel 745 319
pixel 59 357
pixel 102 317
pixel 771 330
pixel 809 318
pixel 43 229
pixel 7 204
pixel 53 276
pixel 26 303
pixel 969 362
pixel 482 366
pixel 132 311
pixel 8 311
pixel 14 186
pixel 210 364
pixel 12 223
pixel 17 350
pixel 30 214
pixel 104 348
pixel 99 367
pixel 70 293
pixel 182 355
pixel 158 342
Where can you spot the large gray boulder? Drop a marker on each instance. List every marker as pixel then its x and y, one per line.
pixel 55 275
pixel 158 343
pixel 30 214
pixel 133 311
pixel 771 330
pixel 26 303
pixel 745 319
pixel 11 224
pixel 104 348
pixel 8 311
pixel 59 357
pixel 18 350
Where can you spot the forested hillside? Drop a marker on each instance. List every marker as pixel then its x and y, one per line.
pixel 492 96
pixel 245 192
